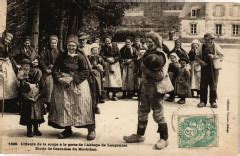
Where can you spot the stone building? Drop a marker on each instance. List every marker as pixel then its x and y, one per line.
pixel 220 19
pixel 162 16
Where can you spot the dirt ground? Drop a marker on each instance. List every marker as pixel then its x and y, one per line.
pixel 119 118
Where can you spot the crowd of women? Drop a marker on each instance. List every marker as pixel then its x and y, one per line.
pixel 70 83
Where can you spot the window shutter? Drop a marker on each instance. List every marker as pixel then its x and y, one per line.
pixel 198 12
pixel 231 11
pixel 222 10
pixel 214 11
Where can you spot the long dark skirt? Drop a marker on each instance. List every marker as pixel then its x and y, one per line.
pixel 31 112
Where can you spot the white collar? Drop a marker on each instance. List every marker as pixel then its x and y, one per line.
pixel 72 55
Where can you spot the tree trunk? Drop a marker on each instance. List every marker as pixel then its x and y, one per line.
pixel 61 35
pixel 35 26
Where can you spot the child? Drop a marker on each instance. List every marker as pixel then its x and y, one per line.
pixel 195 68
pixel 182 85
pixel 98 65
pixel 173 72
pixel 32 109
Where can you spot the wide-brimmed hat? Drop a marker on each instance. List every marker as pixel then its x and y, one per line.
pixel 154 62
pixel 208 36
pixel 82 36
pixel 72 38
pixel 26 61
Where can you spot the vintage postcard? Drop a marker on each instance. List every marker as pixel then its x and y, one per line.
pixel 135 77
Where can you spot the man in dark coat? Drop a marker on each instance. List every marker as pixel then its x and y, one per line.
pixel 207 53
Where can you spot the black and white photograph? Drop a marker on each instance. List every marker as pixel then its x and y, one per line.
pixel 124 77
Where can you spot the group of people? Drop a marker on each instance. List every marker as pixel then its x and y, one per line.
pixel 71 82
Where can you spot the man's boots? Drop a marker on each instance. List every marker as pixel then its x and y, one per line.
pixel 163 130
pixel 135 138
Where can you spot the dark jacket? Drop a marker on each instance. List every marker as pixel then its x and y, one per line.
pixel 181 53
pixel 47 58
pixel 126 53
pixel 112 51
pixel 21 54
pixel 76 66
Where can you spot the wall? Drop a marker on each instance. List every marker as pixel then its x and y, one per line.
pixel 3 15
pixel 186 31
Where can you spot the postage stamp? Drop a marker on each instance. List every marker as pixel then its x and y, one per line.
pixel 197 131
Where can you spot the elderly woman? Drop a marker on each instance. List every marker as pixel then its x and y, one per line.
pixel 113 79
pixel 181 53
pixel 195 68
pixel 8 82
pixel 154 70
pixel 71 103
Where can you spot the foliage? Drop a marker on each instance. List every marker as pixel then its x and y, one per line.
pixel 64 17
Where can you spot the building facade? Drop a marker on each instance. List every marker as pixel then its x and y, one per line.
pixel 220 19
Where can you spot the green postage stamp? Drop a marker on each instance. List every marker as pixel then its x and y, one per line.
pixel 197 131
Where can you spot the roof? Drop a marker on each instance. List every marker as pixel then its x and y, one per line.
pixel 171 12
pixel 189 6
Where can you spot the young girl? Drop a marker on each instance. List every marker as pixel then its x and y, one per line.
pixel 98 65
pixel 195 68
pixel 32 109
pixel 173 72
pixel 182 85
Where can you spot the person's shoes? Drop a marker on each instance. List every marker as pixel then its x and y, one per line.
pixel 65 134
pixel 134 138
pixel 91 135
pixel 201 104
pixel 97 111
pixel 170 99
pixel 161 144
pixel 37 133
pixel 214 105
pixel 30 134
pixel 114 98
pixel 181 101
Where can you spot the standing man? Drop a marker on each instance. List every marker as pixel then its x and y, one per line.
pixel 207 52
pixel 46 62
pixel 128 54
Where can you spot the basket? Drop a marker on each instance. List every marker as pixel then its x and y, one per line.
pixel 217 63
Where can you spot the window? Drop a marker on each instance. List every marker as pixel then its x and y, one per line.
pixel 236 10
pixel 219 11
pixel 194 13
pixel 193 29
pixel 218 29
pixel 235 29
